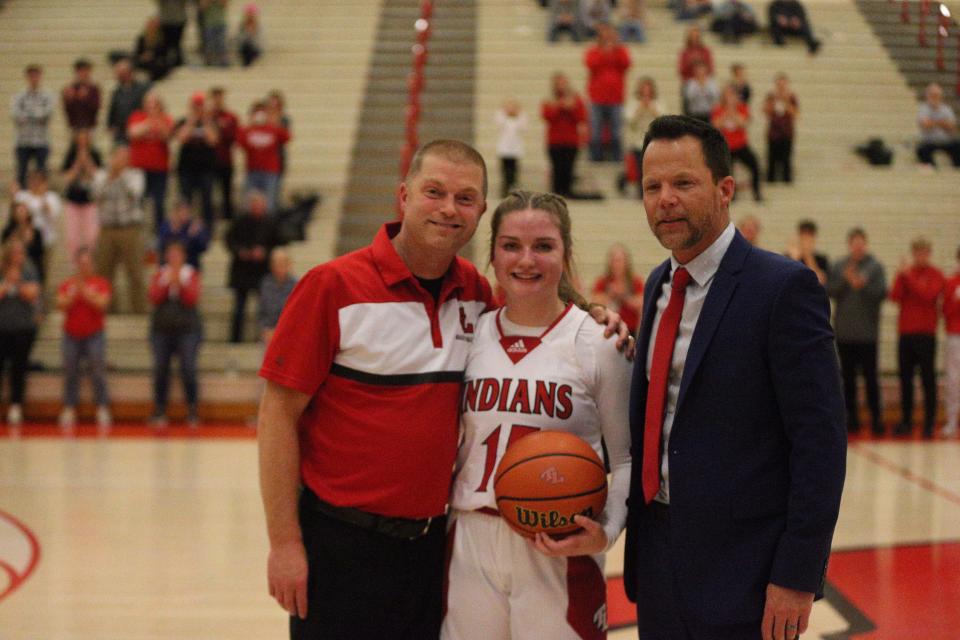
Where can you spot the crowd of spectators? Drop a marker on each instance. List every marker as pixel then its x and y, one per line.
pixel 858 285
pixel 608 130
pixel 119 210
pixel 159 49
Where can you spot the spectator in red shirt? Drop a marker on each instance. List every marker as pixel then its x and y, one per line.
pixel 83 298
pixel 175 329
pixel 731 117
pixel 81 98
pixel 917 289
pixel 951 315
pixel 227 124
pixel 262 141
pixel 566 121
pixel 276 105
pixel 607 63
pixel 149 131
pixel 693 51
pixel 619 288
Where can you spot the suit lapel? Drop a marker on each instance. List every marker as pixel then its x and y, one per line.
pixel 657 277
pixel 638 388
pixel 725 282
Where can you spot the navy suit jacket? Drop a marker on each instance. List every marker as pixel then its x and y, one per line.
pixel 757 450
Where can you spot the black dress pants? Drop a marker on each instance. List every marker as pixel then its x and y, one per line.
pixel 779 161
pixel 747 157
pixel 918 351
pixel 562 159
pixel 364 585
pixel 860 358
pixel 661 614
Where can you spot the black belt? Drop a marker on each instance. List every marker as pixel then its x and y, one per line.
pixel 403 528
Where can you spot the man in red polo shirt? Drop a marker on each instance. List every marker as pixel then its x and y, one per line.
pixel 363 380
pixel 917 289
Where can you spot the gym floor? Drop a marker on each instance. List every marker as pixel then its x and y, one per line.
pixel 140 535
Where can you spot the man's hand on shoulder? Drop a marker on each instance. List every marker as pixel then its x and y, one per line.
pixel 786 613
pixel 614 324
pixel 287 577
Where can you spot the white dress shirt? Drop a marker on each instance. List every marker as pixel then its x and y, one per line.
pixel 701 270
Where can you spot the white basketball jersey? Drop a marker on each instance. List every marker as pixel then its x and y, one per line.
pixel 514 385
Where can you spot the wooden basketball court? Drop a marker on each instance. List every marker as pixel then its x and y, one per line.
pixel 141 535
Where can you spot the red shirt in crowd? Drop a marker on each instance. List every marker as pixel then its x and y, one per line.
pixel 918 291
pixel 262 144
pixel 735 134
pixel 628 313
pixel 608 67
pixel 563 122
pixel 227 125
pixel 690 56
pixel 81 103
pixel 951 304
pixel 82 318
pixel 150 152
pixel 186 289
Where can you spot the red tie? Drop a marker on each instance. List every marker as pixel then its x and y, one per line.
pixel 657 389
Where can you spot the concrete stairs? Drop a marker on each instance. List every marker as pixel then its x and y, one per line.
pixel 916 63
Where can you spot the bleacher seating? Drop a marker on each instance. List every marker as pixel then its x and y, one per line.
pixel 849 92
pixel 317 53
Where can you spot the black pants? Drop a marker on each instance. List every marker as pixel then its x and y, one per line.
pixel 194 182
pixel 925 152
pixel 172 40
pixel 779 160
pixel 562 159
pixel 508 170
pixel 15 348
pixel 918 350
pixel 860 358
pixel 778 32
pixel 24 155
pixel 223 178
pixel 364 585
pixel 661 614
pixel 746 156
pixel 239 313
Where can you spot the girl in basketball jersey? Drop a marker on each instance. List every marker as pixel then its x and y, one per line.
pixel 537 363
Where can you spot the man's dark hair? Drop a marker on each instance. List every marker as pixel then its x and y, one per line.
pixel 807 226
pixel 82 63
pixel 856 232
pixel 716 153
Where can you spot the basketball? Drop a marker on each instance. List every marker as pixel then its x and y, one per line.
pixel 546 478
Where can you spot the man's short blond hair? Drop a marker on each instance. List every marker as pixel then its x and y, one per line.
pixel 452 150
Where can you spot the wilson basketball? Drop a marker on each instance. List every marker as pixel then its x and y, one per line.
pixel 547 477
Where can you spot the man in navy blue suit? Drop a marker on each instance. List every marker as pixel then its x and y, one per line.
pixel 737 414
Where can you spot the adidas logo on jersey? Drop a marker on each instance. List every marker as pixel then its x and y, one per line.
pixel 517 347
